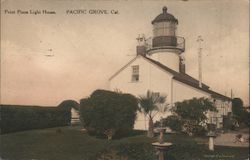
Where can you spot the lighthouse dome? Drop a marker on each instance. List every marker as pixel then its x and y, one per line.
pixel 165 17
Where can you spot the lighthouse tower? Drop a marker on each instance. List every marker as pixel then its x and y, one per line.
pixel 166 47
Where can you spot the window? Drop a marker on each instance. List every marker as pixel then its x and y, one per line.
pixel 155 94
pixel 135 73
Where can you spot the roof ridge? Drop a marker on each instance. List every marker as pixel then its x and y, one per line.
pixel 182 77
pixel 176 74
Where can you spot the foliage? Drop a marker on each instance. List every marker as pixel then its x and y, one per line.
pixel 192 114
pixel 150 105
pixel 229 122
pixel 135 148
pixel 194 109
pixel 241 115
pixel 173 122
pixel 194 148
pixel 110 113
pixel 244 119
pixel 237 105
pixel 74 144
pixel 68 104
pixel 18 118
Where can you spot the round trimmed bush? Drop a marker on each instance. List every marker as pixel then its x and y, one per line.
pixel 107 113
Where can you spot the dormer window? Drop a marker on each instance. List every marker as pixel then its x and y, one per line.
pixel 135 73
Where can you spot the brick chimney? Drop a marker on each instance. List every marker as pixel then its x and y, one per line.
pixel 141 50
pixel 141 47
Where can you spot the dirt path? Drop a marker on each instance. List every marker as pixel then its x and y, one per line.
pixel 229 139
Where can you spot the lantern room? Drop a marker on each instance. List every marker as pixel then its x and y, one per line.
pixel 164 31
pixel 164 24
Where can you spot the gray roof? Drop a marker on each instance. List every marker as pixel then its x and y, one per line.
pixel 164 17
pixel 181 77
pixel 187 79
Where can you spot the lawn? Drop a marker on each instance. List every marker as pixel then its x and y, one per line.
pixel 74 144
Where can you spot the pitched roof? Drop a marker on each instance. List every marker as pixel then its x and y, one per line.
pixel 220 96
pixel 187 79
pixel 181 77
pixel 123 67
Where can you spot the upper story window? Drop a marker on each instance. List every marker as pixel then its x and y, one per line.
pixel 135 73
pixel 156 94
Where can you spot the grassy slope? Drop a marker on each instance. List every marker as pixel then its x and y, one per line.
pixel 48 144
pixel 73 144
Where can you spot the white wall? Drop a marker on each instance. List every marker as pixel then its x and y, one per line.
pixel 182 92
pixel 151 78
pixel 169 59
pixel 157 80
pixel 223 107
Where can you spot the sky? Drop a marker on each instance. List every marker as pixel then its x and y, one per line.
pixel 48 58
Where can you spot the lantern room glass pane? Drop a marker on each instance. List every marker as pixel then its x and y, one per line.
pixel 164 29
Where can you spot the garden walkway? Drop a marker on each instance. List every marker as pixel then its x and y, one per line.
pixel 228 139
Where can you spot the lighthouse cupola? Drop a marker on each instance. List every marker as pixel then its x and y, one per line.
pixel 164 27
pixel 166 47
pixel 164 30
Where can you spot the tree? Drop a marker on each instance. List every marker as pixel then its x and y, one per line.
pixel 239 112
pixel 192 114
pixel 173 122
pixel 237 106
pixel 150 106
pixel 108 113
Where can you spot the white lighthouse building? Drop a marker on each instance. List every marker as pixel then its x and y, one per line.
pixel 159 67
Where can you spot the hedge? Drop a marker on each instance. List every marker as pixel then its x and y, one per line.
pixel 19 118
pixel 107 113
pixel 132 148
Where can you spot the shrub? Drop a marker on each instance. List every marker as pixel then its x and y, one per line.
pixel 173 122
pixel 68 104
pixel 187 151
pixel 229 122
pixel 18 118
pixel 108 113
pixel 192 114
pixel 133 148
pixel 240 113
pixel 135 151
pixel 237 106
